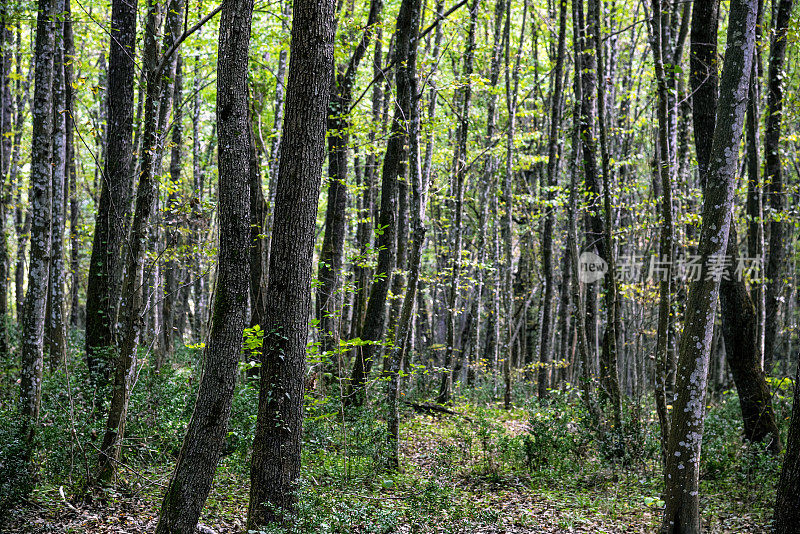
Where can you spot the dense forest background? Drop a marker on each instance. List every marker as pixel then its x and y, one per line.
pixel 408 265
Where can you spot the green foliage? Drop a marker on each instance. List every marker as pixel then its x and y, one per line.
pixel 16 482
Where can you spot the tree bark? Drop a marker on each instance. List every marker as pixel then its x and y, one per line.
pixel 205 437
pixel 55 328
pixel 33 320
pixel 556 105
pixel 682 513
pixel 276 449
pixel 103 286
pixel 774 180
pixel 738 315
pixel 407 95
pixel 787 513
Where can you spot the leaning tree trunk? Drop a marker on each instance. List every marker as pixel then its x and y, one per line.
pixel 276 449
pixel 103 289
pixel 738 315
pixel 682 513
pixel 33 319
pixel 205 437
pixel 131 314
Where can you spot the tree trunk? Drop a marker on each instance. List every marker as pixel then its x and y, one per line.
pixel 545 350
pixel 609 378
pixel 682 513
pixel 103 288
pixel 457 191
pixel 55 328
pixel 132 309
pixel 329 298
pixel 6 130
pixel 375 318
pixel 172 265
pixel 774 180
pixel 408 101
pixel 33 320
pixel 787 513
pixel 205 437
pixel 276 449
pixel 72 173
pixel 660 18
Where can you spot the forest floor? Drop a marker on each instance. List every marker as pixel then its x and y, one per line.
pixel 478 474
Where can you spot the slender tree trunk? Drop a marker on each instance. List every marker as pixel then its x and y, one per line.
pixel 55 328
pixel 22 219
pixel 506 223
pixel 258 251
pixel 375 318
pixel 609 378
pixel 329 298
pixel 584 350
pixel 682 513
pixel 408 100
pixel 205 437
pixel 660 17
pixel 276 449
pixel 72 173
pixel 6 130
pixel 556 105
pixel 33 320
pixel 172 265
pixel 457 191
pixel 774 180
pixel 103 288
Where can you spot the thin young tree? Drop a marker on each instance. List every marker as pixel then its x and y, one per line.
pixel 457 192
pixel 55 327
pixel 331 258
